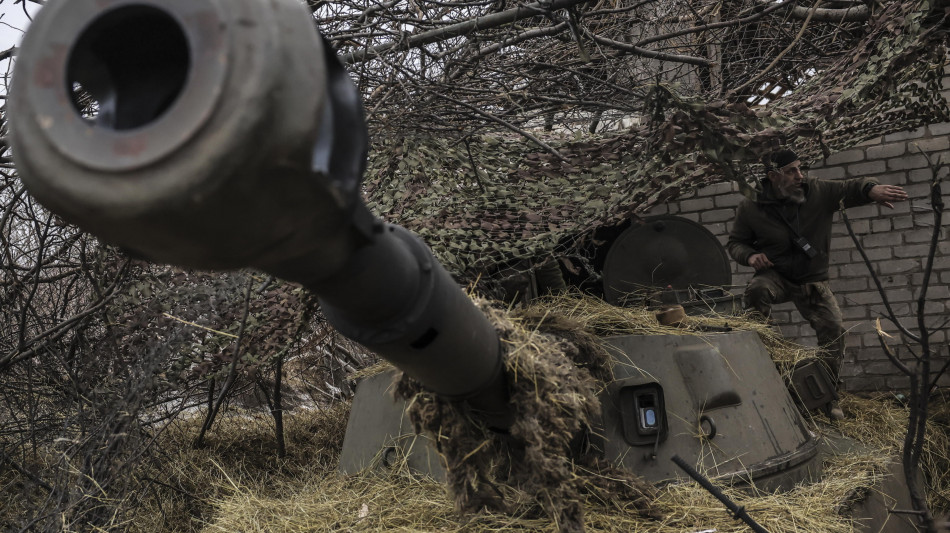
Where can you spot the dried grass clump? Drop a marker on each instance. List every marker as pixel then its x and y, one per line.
pixel 807 507
pixel 19 492
pixel 880 423
pixel 602 319
pixel 370 371
pixel 375 502
pixel 300 499
pixel 554 399
pixel 183 486
pixel 329 501
pixel 236 483
pixel 541 337
pixel 936 457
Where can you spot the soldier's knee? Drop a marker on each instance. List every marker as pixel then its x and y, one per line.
pixel 829 328
pixel 758 297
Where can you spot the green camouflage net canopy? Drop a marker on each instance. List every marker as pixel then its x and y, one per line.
pixel 483 200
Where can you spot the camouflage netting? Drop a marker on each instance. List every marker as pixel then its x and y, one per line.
pixel 485 200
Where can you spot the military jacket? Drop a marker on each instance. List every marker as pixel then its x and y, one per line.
pixel 758 227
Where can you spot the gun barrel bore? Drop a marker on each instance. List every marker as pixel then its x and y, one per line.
pixel 124 87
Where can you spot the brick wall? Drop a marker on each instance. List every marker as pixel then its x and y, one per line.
pixel 895 240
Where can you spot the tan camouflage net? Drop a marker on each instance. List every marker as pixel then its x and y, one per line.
pixel 492 199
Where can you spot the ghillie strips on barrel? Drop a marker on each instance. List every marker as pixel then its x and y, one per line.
pixel 551 364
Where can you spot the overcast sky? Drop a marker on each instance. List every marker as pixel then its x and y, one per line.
pixel 13 22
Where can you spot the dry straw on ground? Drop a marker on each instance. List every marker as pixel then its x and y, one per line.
pixel 400 501
pixel 325 500
pixel 236 483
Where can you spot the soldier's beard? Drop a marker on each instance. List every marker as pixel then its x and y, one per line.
pixel 792 193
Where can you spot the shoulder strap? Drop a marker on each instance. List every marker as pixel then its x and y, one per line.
pixel 778 214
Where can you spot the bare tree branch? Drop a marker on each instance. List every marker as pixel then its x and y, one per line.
pixel 462 28
pixel 857 13
pixel 877 282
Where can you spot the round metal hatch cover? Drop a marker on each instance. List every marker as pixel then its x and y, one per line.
pixel 664 252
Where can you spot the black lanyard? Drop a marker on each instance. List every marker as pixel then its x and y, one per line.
pixel 798 220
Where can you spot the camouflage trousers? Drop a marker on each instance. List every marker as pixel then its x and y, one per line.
pixel 814 301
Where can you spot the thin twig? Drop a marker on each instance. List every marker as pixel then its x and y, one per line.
pixel 643 52
pixel 936 379
pixel 520 131
pixel 471 160
pixel 232 370
pixel 62 327
pixel 206 328
pixel 890 355
pixel 877 282
pixel 493 20
pixel 31 476
pixel 781 54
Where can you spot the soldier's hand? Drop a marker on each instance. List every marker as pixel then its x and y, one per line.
pixel 759 261
pixel 887 194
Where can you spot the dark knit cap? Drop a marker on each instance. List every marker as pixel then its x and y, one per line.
pixel 779 159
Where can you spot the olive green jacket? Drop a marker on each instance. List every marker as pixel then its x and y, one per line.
pixel 758 229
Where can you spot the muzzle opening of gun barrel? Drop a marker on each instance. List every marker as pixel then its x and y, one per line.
pixel 128 67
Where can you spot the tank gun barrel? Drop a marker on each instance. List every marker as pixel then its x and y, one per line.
pixel 226 134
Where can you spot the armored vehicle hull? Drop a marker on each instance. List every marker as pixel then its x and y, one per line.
pixel 717 401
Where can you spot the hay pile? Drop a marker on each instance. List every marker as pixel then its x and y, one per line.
pixel 321 499
pixel 604 320
pixel 237 483
pixel 544 345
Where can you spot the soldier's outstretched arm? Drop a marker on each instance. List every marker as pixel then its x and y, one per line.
pixel 886 195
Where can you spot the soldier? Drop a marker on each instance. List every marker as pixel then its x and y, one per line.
pixel 785 235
